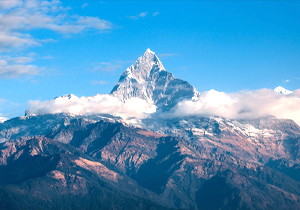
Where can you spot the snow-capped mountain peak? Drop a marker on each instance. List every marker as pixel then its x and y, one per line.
pixel 140 71
pixel 281 90
pixel 148 79
pixel 66 97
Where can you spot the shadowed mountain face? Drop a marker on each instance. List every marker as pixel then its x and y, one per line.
pixel 167 160
pixel 40 173
pixel 59 161
pixel 205 164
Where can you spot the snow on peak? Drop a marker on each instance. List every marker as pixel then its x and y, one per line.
pixel 147 79
pixel 149 51
pixel 281 90
pixel 144 88
pixel 143 66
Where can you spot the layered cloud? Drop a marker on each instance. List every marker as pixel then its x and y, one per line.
pixel 99 104
pixel 18 17
pixel 11 67
pixel 242 105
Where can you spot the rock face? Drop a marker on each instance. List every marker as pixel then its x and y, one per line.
pixel 148 79
pixel 59 161
pixel 39 173
pixel 194 163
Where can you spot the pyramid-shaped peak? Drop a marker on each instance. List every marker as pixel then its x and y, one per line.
pixel 149 51
pixel 147 79
pixel 150 56
pixel 142 68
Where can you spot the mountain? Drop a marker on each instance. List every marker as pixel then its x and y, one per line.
pixel 39 173
pixel 96 161
pixel 147 79
pixel 282 91
pixel 191 163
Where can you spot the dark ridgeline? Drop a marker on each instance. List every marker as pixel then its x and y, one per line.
pixel 58 161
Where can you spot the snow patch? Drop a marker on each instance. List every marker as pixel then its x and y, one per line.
pixel 282 90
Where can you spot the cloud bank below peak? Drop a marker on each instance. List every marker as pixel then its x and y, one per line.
pixel 135 108
pixel 239 105
pixel 242 105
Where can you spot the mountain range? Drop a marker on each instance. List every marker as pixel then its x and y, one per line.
pixel 68 160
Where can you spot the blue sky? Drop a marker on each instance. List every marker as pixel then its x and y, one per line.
pixel 82 46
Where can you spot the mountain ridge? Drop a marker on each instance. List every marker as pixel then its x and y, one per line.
pixel 149 80
pixel 96 161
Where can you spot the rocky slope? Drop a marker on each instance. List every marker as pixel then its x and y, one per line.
pixel 39 173
pixel 201 163
pixel 61 161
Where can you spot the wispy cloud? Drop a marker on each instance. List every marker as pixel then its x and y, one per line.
pixel 143 15
pixel 18 17
pixel 12 67
pixel 7 4
pixel 138 16
pixel 11 40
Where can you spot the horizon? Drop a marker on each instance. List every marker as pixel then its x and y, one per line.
pixel 144 104
pixel 227 46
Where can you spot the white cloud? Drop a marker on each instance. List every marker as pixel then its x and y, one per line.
pixel 18 17
pixel 94 23
pixel 9 40
pixel 7 4
pixel 12 67
pixel 242 105
pixel 99 104
pixel 140 15
pixel 143 15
